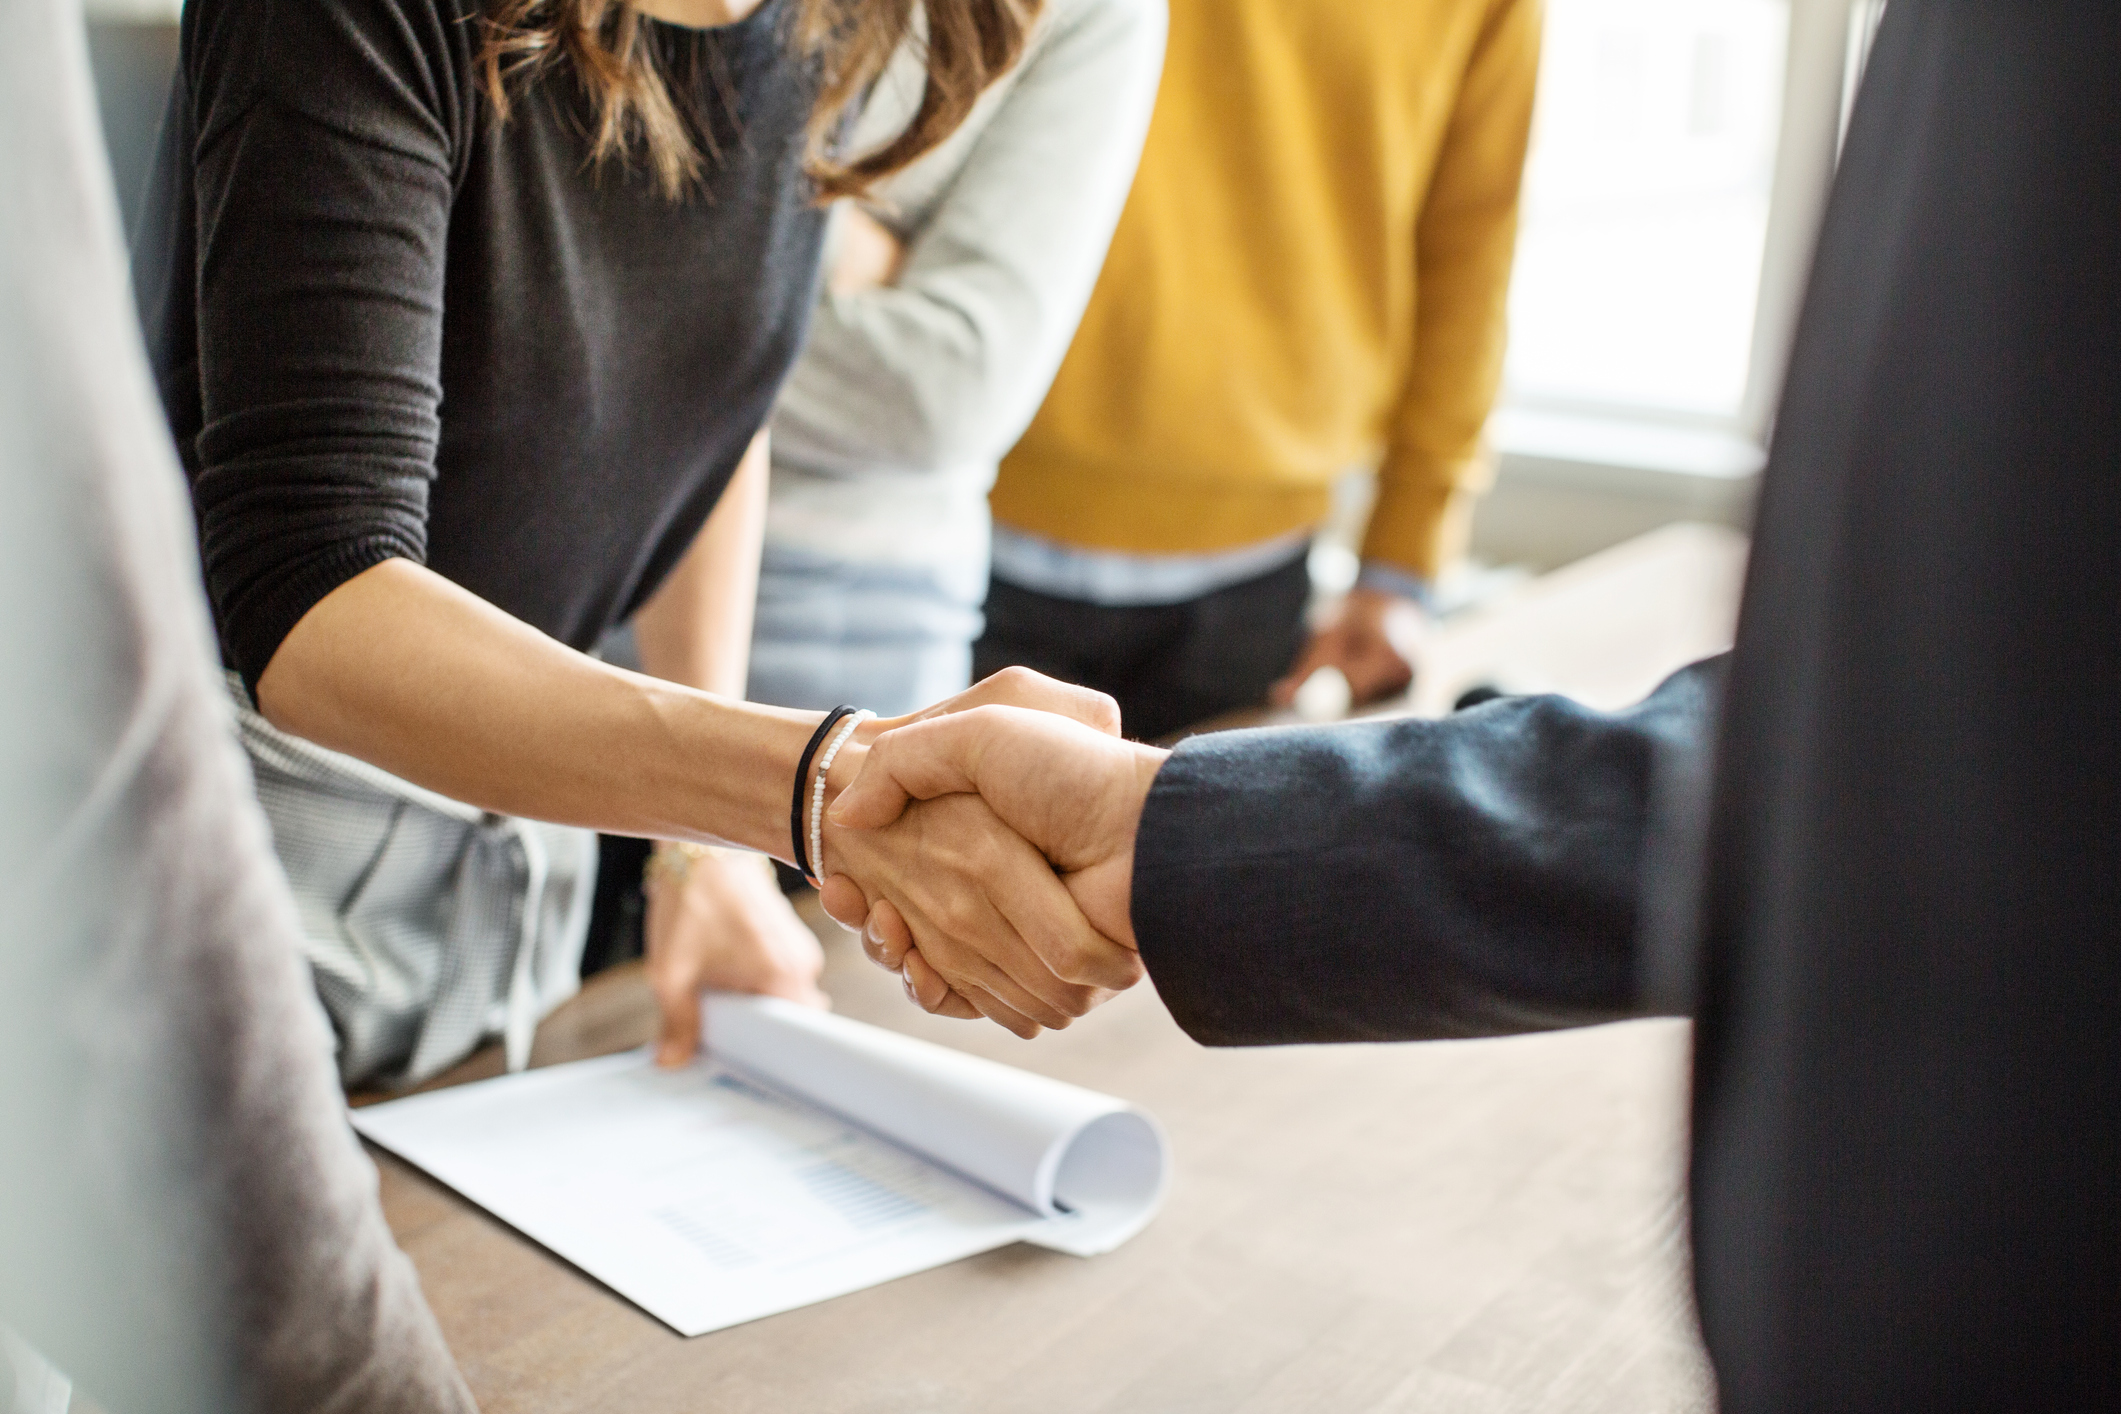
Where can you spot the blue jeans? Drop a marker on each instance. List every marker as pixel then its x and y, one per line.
pixel 892 638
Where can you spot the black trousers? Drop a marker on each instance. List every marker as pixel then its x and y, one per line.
pixel 1169 665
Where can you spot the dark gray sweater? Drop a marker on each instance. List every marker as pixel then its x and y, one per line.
pixel 386 325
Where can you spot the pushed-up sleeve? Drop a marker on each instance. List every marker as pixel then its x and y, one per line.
pixel 1409 880
pixel 945 367
pixel 1434 466
pixel 326 139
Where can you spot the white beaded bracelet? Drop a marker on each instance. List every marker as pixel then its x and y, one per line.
pixel 817 794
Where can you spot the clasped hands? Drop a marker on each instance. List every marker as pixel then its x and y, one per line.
pixel 984 849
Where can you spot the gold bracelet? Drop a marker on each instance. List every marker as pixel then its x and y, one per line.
pixel 674 860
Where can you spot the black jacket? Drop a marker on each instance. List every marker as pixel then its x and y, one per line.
pixel 1898 928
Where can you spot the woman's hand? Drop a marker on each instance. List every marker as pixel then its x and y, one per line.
pixel 989 912
pixel 723 926
pixel 986 906
pixel 1073 793
pixel 866 254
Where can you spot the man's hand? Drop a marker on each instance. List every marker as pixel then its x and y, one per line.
pixel 986 905
pixel 1011 687
pixel 988 909
pixel 1073 791
pixel 1373 638
pixel 724 925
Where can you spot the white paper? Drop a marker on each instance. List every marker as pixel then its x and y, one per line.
pixel 807 1156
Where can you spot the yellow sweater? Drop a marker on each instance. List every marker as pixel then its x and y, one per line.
pixel 1309 274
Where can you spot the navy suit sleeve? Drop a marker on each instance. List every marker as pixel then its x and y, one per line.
pixel 1410 880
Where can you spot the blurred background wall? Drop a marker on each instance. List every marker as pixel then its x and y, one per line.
pixel 132 47
pixel 1680 158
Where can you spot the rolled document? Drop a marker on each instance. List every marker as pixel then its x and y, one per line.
pixel 805 1156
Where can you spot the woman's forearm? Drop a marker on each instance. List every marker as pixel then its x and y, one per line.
pixel 697 628
pixel 410 672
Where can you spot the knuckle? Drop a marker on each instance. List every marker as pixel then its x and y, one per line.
pixel 973 722
pixel 1048 1012
pixel 959 916
pixel 951 977
pixel 1077 1001
pixel 1071 962
pixel 1101 710
pixel 1016 678
pixel 983 855
pixel 1083 963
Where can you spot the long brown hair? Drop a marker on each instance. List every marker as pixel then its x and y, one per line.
pixel 970 44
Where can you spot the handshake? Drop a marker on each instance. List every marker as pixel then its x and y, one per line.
pixel 984 849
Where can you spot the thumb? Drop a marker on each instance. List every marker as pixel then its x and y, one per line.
pixel 916 762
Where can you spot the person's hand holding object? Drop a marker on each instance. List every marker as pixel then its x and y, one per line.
pixel 1074 792
pixel 717 919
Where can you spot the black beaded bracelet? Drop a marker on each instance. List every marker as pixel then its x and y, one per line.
pixel 802 777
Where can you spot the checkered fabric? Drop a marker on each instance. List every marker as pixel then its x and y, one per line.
pixel 429 924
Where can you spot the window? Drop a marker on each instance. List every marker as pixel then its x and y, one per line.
pixel 1646 206
pixel 1680 159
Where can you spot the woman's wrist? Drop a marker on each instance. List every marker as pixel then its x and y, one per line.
pixel 723 771
pixel 752 789
pixel 819 789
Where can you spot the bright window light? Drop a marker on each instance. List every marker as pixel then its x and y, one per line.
pixel 1646 206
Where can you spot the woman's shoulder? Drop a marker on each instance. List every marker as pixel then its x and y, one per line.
pixel 1144 20
pixel 413 22
pixel 349 62
pixel 1094 34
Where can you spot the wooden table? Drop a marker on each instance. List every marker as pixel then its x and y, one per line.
pixel 1466 1226
pixel 1604 630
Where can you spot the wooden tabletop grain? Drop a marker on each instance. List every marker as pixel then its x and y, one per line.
pixel 1461 1226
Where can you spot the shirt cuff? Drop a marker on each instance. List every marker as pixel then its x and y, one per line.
pixel 1377 574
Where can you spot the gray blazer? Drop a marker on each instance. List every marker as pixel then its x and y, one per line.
pixel 186 1220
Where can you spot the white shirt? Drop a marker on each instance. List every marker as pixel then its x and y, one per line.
pixel 891 425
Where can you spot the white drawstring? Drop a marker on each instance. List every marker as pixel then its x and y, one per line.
pixel 522 1019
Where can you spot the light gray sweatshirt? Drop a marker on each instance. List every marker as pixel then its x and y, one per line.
pixel 889 430
pixel 186 1221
